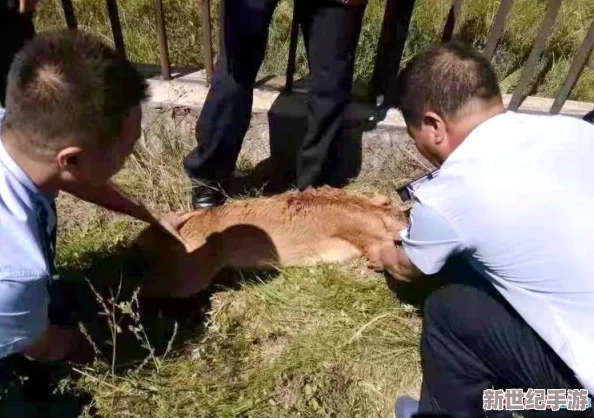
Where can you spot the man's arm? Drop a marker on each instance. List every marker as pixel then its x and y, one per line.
pixel 111 197
pixel 427 244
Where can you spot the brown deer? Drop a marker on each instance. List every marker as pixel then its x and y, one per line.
pixel 315 226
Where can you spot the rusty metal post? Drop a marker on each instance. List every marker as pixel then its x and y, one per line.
pixel 452 20
pixel 162 38
pixel 579 61
pixel 206 38
pixel 116 27
pixel 69 15
pixel 498 28
pixel 546 28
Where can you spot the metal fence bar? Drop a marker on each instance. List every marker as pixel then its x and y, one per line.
pixel 116 28
pixel 498 28
pixel 69 14
pixel 221 27
pixel 452 20
pixel 397 17
pixel 294 38
pixel 162 38
pixel 206 38
pixel 579 61
pixel 537 49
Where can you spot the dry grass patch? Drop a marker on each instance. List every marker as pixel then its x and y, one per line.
pixel 304 342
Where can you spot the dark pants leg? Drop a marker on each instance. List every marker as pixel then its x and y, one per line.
pixel 15 30
pixel 226 115
pixel 331 33
pixel 589 117
pixel 474 340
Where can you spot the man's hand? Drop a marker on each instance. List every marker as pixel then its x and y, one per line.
pixel 172 222
pixel 27 6
pixel 394 261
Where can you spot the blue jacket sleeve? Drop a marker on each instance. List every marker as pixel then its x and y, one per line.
pixel 23 311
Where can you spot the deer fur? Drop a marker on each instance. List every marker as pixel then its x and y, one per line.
pixel 315 226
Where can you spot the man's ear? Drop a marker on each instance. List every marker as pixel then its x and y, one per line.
pixel 69 159
pixel 436 125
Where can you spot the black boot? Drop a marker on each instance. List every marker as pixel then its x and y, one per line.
pixel 207 194
pixel 589 117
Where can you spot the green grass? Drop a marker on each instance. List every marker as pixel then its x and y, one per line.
pixel 305 342
pixel 332 341
pixel 184 32
pixel 318 342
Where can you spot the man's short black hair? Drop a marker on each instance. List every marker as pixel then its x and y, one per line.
pixel 68 86
pixel 443 79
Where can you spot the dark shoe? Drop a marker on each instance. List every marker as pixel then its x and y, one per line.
pixel 406 407
pixel 207 194
pixel 589 117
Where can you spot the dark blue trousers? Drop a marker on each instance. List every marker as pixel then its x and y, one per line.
pixel 474 340
pixel 331 33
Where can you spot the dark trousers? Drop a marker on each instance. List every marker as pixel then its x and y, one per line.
pixel 474 340
pixel 331 32
pixel 15 30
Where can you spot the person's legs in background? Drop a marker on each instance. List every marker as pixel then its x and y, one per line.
pixel 226 114
pixel 15 30
pixel 589 117
pixel 474 340
pixel 331 33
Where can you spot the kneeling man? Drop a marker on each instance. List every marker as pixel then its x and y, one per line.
pixel 509 219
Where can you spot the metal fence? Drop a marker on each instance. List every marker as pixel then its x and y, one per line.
pixel 397 18
pixel 118 39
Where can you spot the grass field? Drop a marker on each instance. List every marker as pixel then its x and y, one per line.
pixel 333 341
pixel 304 342
pixel 477 17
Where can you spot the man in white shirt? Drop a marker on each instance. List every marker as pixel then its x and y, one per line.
pixel 509 220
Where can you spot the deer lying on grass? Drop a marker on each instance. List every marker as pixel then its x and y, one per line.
pixel 316 226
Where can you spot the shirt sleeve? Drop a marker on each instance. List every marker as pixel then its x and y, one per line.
pixel 429 239
pixel 23 312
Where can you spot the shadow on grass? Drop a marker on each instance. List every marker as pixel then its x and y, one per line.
pixel 457 270
pixel 415 293
pixel 34 388
pixel 158 324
